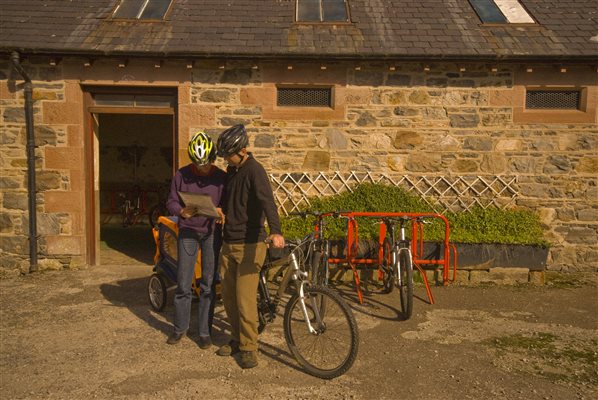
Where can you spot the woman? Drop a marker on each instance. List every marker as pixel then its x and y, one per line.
pixel 196 232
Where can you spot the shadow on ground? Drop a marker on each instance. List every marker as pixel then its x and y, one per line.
pixel 135 242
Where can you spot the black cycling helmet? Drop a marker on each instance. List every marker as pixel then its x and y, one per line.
pixel 232 140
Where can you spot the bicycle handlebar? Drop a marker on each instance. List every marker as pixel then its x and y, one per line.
pixel 320 214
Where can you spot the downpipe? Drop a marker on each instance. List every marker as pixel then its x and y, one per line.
pixel 31 187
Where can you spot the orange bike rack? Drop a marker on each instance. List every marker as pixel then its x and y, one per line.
pixel 417 245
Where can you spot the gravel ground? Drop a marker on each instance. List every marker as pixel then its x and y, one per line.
pixel 91 334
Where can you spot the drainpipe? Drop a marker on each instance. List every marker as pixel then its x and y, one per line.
pixel 28 90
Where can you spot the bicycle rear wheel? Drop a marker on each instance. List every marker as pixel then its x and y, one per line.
pixel 406 282
pixel 388 281
pixel 126 213
pixel 332 349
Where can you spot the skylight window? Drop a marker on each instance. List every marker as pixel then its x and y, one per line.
pixel 322 11
pixel 501 12
pixel 141 9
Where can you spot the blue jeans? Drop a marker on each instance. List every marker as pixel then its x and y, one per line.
pixel 189 243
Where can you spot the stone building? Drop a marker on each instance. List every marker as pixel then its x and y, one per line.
pixel 463 100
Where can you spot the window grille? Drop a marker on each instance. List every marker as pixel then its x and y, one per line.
pixel 304 97
pixel 553 99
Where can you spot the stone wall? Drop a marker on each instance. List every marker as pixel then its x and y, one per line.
pixel 449 120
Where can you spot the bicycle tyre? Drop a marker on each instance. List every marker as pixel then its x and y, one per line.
pixel 332 351
pixel 156 292
pixel 318 271
pixel 406 283
pixel 156 212
pixel 262 309
pixel 388 280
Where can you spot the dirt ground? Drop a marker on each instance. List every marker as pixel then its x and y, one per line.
pixel 91 334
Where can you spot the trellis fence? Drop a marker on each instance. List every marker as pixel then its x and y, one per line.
pixel 292 191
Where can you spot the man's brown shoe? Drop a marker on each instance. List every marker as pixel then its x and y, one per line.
pixel 205 342
pixel 248 359
pixel 228 349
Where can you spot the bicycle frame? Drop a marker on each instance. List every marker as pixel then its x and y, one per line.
pixel 292 273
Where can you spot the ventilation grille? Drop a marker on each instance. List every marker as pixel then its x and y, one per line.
pixel 553 99
pixel 304 97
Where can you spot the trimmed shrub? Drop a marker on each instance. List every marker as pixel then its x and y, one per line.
pixel 492 225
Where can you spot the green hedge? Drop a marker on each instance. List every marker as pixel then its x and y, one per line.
pixel 492 225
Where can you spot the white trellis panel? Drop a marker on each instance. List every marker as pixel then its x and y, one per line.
pixel 292 191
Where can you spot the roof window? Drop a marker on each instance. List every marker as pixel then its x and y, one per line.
pixel 322 11
pixel 141 9
pixel 501 12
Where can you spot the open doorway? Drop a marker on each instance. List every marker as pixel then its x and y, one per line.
pixel 131 156
pixel 135 167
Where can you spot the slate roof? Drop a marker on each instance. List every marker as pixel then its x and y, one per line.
pixel 380 29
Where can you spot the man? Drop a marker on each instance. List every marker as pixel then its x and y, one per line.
pixel 249 201
pixel 196 232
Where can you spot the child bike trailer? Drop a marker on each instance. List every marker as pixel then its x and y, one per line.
pixel 164 274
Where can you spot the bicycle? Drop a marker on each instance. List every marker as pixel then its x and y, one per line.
pixel 319 250
pixel 159 209
pixel 131 207
pixel 319 327
pixel 398 263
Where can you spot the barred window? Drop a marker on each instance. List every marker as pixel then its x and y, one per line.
pixel 553 99
pixel 304 97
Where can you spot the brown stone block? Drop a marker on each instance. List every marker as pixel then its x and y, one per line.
pixel 63 201
pixel 184 94
pixel 58 245
pixel 500 98
pixel 462 276
pixel 77 179
pixel 78 223
pixel 44 95
pixel 316 160
pixel 5 93
pixel 263 96
pixel 75 136
pixel 588 165
pixel 197 115
pixel 358 96
pixel 73 92
pixel 62 157
pixel 537 277
pixel 62 113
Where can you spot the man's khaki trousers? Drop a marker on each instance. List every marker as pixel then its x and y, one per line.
pixel 240 265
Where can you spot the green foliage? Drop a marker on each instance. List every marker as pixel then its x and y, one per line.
pixel 479 225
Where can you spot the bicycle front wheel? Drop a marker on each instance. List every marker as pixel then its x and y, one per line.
pixel 406 282
pixel 331 350
pixel 319 268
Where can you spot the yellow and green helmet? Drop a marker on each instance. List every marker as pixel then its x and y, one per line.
pixel 201 149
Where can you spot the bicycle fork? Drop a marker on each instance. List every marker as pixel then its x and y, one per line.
pixel 300 278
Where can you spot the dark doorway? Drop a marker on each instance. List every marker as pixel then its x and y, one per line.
pixel 135 168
